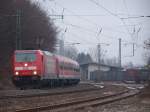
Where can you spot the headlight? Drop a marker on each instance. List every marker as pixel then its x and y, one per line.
pixel 34 72
pixel 16 73
pixel 25 64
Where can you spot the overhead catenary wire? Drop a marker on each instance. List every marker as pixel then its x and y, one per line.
pixel 94 24
pixel 85 15
pixel 77 15
pixel 73 14
pixel 127 10
pixel 111 13
pixel 89 37
pixel 89 31
pixel 80 17
pixel 99 5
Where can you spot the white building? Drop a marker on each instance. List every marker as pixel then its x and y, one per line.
pixel 88 68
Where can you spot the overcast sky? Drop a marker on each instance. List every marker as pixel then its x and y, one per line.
pixel 90 22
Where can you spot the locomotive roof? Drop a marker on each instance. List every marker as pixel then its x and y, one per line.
pixel 60 58
pixel 28 51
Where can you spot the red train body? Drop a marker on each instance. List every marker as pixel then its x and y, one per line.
pixel 36 67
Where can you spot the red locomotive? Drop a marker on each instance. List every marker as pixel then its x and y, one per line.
pixel 40 68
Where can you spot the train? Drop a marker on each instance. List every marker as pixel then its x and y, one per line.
pixel 137 75
pixel 131 75
pixel 38 68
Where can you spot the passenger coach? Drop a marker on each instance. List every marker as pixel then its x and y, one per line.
pixel 41 68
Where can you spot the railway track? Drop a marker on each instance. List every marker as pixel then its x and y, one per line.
pixel 50 92
pixel 83 102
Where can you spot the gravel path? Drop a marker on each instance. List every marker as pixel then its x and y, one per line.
pixel 134 104
pixel 29 102
pixel 139 103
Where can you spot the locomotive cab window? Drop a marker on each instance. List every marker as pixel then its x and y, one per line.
pixel 25 57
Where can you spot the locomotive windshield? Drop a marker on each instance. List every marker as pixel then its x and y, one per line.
pixel 25 57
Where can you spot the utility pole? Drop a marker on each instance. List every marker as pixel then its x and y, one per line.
pixel 120 52
pixel 18 30
pixel 18 24
pixel 133 48
pixel 99 60
pixel 61 47
pixel 99 57
pixel 99 54
pixel 99 51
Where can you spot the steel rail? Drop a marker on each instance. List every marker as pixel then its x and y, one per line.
pixel 47 93
pixel 99 100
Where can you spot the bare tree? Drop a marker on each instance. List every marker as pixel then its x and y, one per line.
pixel 84 58
pixel 71 52
pixel 37 31
pixel 111 61
pixel 93 53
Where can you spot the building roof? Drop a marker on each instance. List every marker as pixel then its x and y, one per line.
pixel 97 64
